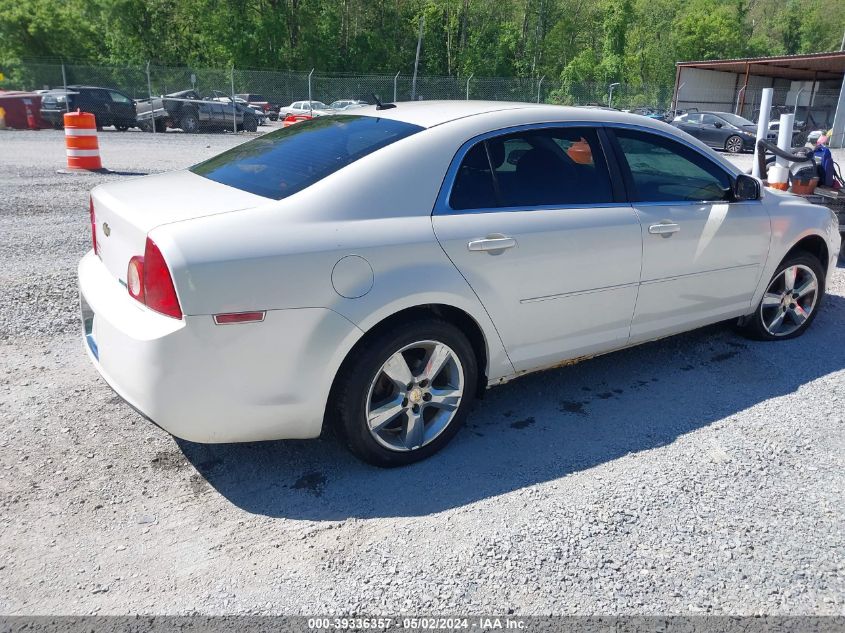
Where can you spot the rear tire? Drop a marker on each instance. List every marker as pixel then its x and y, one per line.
pixel 791 300
pixel 189 123
pixel 734 144
pixel 250 124
pixel 405 394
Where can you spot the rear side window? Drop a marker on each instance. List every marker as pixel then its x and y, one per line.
pixel 663 170
pixel 286 161
pixel 540 167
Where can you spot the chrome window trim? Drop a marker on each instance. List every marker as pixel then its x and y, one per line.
pixel 442 207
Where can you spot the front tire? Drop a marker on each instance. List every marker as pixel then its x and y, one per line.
pixel 405 395
pixel 791 300
pixel 734 144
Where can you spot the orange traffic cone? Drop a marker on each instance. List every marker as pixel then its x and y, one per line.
pixel 83 151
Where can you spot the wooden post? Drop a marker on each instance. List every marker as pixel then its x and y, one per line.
pixel 675 92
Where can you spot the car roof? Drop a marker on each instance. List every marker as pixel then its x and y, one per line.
pixel 431 113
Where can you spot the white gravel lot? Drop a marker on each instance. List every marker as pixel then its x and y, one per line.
pixel 700 474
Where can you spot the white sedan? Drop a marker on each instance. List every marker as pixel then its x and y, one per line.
pixel 378 270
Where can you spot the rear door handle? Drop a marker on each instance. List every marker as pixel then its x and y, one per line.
pixel 665 229
pixel 492 244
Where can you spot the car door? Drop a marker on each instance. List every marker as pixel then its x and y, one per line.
pixel 94 100
pixel 533 220
pixel 123 108
pixel 702 253
pixel 713 131
pixel 691 124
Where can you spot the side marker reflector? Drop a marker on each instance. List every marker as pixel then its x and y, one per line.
pixel 239 317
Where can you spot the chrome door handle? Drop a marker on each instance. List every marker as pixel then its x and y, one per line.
pixel 666 229
pixel 492 244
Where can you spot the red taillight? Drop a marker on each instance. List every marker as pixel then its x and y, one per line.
pixel 93 222
pixel 159 293
pixel 148 280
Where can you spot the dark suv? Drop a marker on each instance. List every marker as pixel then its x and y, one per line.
pixel 109 106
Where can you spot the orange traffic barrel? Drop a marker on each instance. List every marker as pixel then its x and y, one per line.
pixel 83 151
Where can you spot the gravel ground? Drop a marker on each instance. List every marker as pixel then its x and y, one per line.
pixel 699 474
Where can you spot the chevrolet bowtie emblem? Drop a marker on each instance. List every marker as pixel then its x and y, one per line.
pixel 106 229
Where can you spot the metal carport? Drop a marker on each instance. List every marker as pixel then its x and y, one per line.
pixel 811 84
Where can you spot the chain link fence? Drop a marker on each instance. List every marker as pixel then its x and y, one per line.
pixel 281 88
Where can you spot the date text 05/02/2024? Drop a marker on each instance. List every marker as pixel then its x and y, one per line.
pixel 481 623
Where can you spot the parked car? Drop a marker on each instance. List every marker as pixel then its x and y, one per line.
pixel 347 104
pixel 651 113
pixel 722 130
pixel 256 101
pixel 258 113
pixel 311 108
pixel 377 270
pixel 109 106
pixel 189 112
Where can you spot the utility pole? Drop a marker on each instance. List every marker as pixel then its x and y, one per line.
pixel 417 60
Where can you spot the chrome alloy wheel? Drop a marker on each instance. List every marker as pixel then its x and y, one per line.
pixel 734 145
pixel 414 395
pixel 789 300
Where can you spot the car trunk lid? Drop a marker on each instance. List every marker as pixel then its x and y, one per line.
pixel 125 212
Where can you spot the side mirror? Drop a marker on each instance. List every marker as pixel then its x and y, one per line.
pixel 718 124
pixel 746 188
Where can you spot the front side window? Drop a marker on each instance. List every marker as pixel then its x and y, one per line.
pixel 118 97
pixel 663 170
pixel 540 167
pixel 288 160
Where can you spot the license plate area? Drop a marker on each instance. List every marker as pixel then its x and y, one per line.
pixel 87 315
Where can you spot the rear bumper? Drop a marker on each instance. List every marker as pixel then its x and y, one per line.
pixel 210 383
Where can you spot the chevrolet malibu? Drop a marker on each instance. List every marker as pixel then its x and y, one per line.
pixel 378 270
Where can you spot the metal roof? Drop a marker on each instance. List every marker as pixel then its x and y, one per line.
pixel 818 66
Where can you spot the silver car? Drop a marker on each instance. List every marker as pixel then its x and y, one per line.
pixel 309 108
pixel 377 270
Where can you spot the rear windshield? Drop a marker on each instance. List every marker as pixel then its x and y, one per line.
pixel 283 162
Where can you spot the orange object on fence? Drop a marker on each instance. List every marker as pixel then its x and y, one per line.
pixel 83 151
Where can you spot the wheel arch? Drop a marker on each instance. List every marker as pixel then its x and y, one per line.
pixel 814 244
pixel 451 314
pixel 809 242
